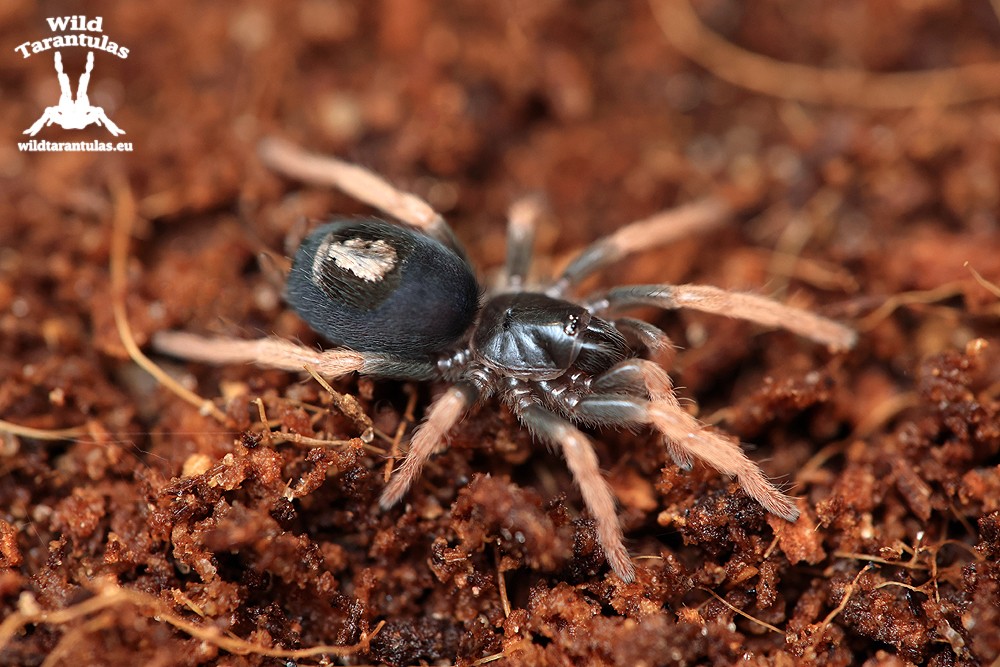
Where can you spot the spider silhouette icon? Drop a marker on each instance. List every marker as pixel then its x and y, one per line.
pixel 72 114
pixel 402 301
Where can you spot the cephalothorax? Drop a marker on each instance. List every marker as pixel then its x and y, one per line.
pixel 405 303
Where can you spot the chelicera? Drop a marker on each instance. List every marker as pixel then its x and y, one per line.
pixel 402 301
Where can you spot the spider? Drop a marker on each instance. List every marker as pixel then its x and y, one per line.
pixel 402 301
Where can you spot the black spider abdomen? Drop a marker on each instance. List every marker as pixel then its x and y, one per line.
pixel 372 286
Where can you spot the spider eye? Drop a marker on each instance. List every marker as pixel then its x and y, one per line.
pixel 526 334
pixel 508 318
pixel 572 326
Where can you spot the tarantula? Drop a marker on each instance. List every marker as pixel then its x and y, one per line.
pixel 403 302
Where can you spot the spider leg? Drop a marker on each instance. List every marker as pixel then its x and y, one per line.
pixel 521 221
pixel 442 416
pixel 643 335
pixel 633 373
pixel 691 439
pixel 360 183
pixel 749 307
pixel 626 376
pixel 726 456
pixel 285 355
pixel 597 494
pixel 651 232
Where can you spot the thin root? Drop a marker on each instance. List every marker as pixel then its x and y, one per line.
pixel 71 433
pixel 848 592
pixel 125 212
pixel 742 613
pixel 842 87
pixel 896 301
pixel 407 419
pixel 993 288
pixel 113 596
pixel 272 438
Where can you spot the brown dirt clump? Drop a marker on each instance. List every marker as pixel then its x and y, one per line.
pixel 151 532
